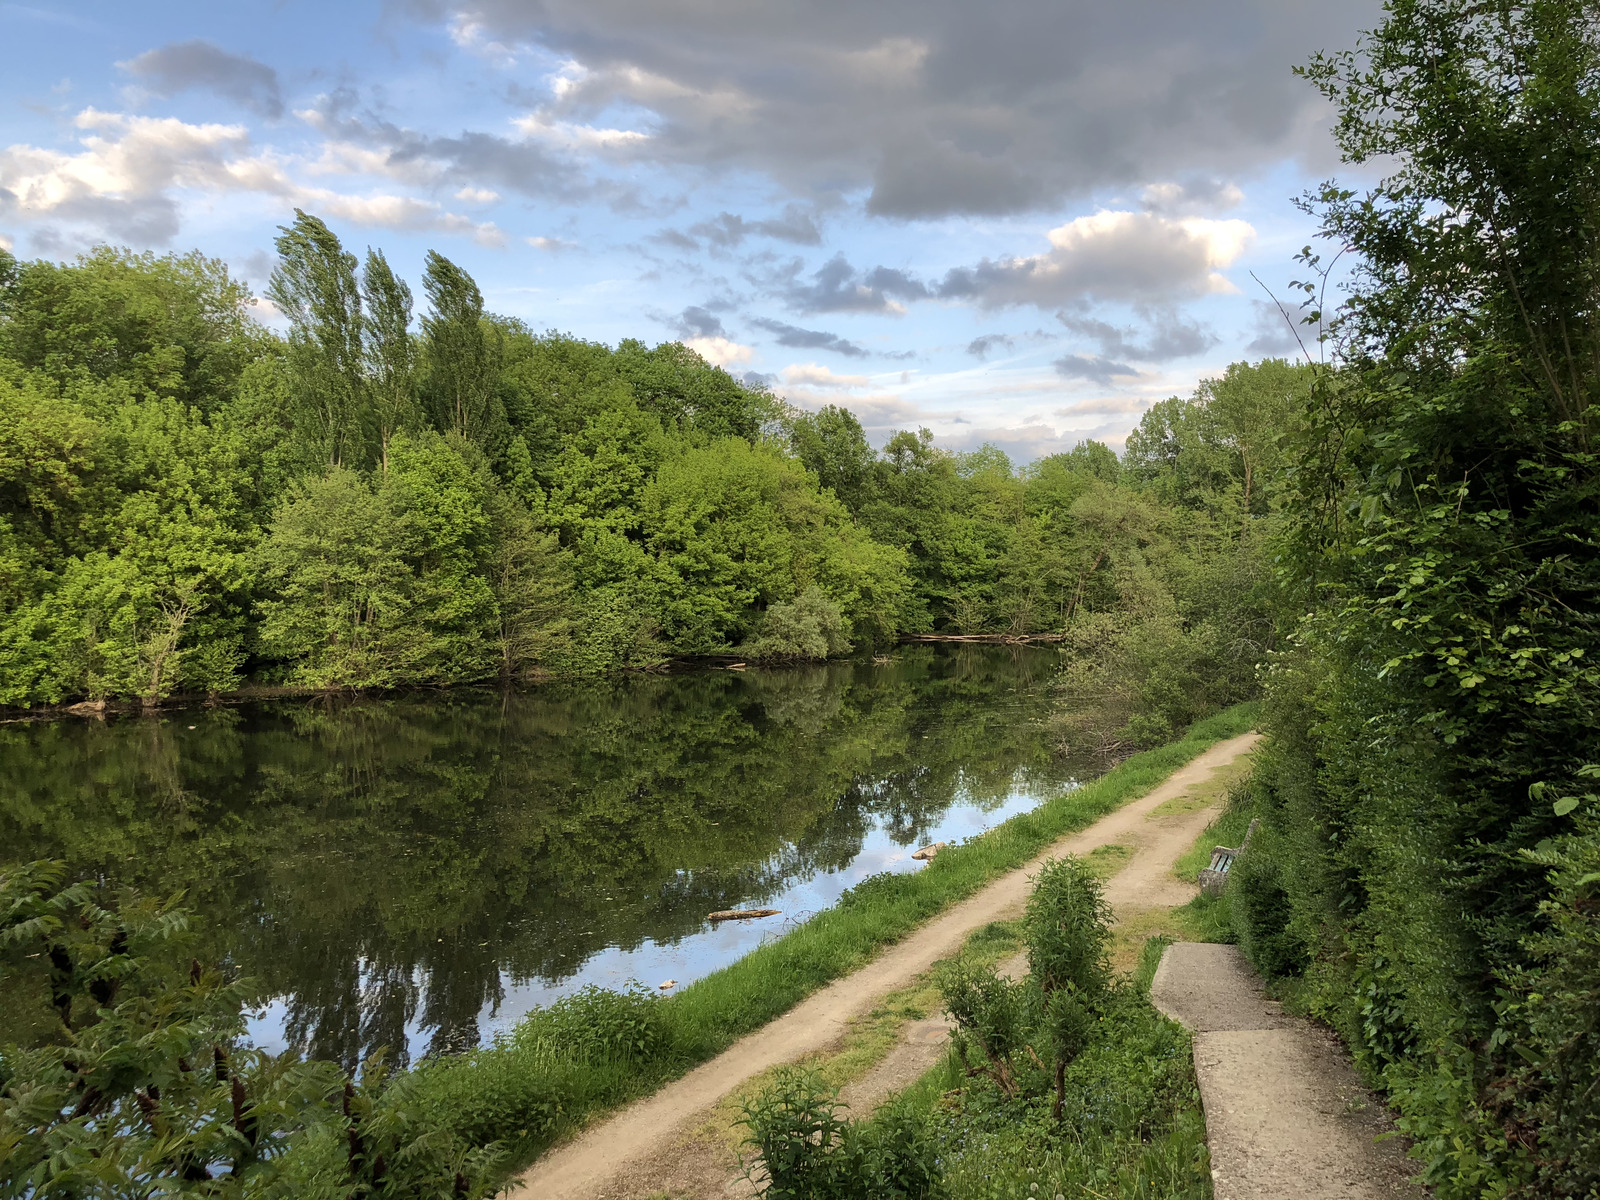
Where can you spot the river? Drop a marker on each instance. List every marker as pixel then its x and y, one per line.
pixel 416 871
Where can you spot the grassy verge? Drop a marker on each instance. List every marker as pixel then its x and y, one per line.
pixel 1131 1128
pixel 532 1087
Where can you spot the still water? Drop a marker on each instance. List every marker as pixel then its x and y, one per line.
pixel 418 871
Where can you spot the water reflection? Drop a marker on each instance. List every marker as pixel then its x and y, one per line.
pixel 415 871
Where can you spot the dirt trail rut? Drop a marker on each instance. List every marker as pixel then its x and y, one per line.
pixel 606 1159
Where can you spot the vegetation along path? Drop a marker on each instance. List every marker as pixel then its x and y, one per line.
pixel 607 1156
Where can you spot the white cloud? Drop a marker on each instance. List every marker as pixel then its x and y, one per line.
pixel 572 136
pixel 549 243
pixel 477 195
pixel 472 37
pixel 817 375
pixel 1178 197
pixel 720 351
pixel 1111 255
pixel 1107 406
pixel 126 180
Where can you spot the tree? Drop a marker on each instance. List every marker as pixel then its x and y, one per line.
pixel 1441 694
pixel 832 444
pixel 174 325
pixel 463 356
pixel 314 286
pixel 532 580
pixel 389 352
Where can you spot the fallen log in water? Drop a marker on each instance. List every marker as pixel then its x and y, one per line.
pixel 742 914
pixel 1001 639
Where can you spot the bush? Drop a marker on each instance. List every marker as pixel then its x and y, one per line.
pixel 1261 914
pixel 1067 925
pixel 1554 1011
pixel 810 627
pixel 596 1025
pixel 807 1153
pixel 144 1087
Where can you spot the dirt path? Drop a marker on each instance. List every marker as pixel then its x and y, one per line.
pixel 618 1156
pixel 1285 1113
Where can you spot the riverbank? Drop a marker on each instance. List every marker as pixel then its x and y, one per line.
pixel 655 1146
pixel 253 693
pixel 528 1090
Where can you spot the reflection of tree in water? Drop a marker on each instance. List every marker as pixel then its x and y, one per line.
pixel 380 863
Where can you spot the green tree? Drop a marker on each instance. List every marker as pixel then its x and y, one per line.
pixel 832 444
pixel 390 352
pixel 462 356
pixel 378 585
pixel 1442 689
pixel 314 286
pixel 175 325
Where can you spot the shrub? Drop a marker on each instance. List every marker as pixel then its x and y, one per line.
pixel 596 1025
pixel 1261 914
pixel 807 1153
pixel 1554 1011
pixel 1067 925
pixel 144 1087
pixel 810 627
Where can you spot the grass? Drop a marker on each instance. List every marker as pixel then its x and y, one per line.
pixel 1132 1128
pixel 867 1041
pixel 515 1091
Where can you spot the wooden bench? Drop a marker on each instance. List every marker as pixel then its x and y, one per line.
pixel 1215 877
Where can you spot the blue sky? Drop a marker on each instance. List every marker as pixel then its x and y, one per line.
pixel 1019 222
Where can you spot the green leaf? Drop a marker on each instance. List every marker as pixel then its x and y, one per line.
pixel 1565 805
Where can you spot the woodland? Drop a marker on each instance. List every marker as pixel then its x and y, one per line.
pixel 191 503
pixel 1395 544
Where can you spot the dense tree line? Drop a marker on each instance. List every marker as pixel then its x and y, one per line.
pixel 190 501
pixel 1432 848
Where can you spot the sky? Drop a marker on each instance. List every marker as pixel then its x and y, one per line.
pixel 1017 221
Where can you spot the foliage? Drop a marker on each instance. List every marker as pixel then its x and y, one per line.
pixel 143 1083
pixel 805 1152
pixel 809 627
pixel 1082 1088
pixel 188 500
pixel 1436 708
pixel 1261 914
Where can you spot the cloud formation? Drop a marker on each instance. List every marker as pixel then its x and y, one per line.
pixel 180 66
pixel 726 229
pixel 816 375
pixel 126 180
pixel 933 108
pixel 1168 335
pixel 1141 257
pixel 836 286
pixel 979 347
pixel 808 339
pixel 720 351
pixel 1093 367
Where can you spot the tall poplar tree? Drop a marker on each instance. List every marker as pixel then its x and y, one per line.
pixel 463 356
pixel 314 285
pixel 389 352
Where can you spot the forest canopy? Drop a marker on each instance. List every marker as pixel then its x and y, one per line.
pixel 384 495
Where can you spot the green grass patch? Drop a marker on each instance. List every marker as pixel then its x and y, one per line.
pixel 1106 861
pixel 1210 918
pixel 529 1089
pixel 1227 830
